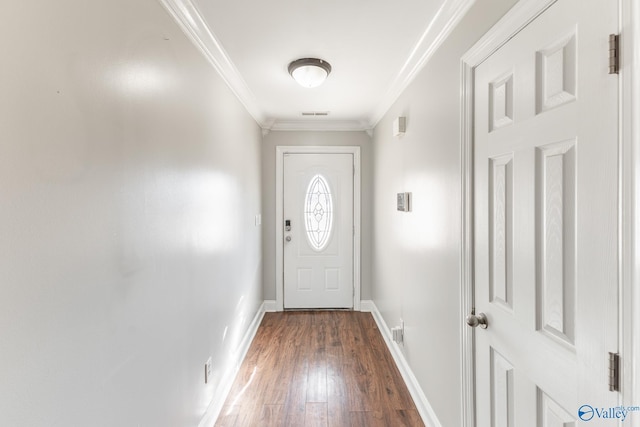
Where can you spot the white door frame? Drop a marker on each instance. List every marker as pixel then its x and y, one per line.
pixel 281 150
pixel 516 19
pixel 630 202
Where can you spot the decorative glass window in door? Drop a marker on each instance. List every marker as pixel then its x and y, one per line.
pixel 318 212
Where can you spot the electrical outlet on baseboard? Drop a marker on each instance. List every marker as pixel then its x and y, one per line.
pixel 207 370
pixel 398 333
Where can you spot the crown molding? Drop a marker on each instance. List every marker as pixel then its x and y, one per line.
pixel 445 20
pixel 190 20
pixel 319 125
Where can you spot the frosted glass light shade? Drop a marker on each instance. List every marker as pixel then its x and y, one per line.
pixel 309 76
pixel 309 72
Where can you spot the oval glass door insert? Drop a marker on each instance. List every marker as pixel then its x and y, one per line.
pixel 318 212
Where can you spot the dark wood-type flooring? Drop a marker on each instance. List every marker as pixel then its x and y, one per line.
pixel 318 368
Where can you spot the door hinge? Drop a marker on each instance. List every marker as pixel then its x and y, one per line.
pixel 614 55
pixel 614 372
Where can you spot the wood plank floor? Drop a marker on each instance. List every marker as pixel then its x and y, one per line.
pixel 318 368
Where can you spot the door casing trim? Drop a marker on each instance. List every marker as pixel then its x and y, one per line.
pixel 281 150
pixel 629 230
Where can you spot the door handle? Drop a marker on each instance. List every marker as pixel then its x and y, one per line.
pixel 288 238
pixel 474 320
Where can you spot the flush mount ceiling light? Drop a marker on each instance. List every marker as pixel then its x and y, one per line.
pixel 309 72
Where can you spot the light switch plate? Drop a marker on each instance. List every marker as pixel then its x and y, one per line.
pixel 404 202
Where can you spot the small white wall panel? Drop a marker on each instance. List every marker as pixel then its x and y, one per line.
pixel 556 237
pixel 550 414
pixel 501 102
pixel 502 392
pixel 332 279
pixel 556 74
pixel 305 279
pixel 500 228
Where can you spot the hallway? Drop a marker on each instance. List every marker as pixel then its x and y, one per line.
pixel 142 226
pixel 319 369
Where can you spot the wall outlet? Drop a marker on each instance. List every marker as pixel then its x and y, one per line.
pixel 398 333
pixel 208 370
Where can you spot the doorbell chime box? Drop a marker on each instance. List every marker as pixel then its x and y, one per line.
pixel 404 202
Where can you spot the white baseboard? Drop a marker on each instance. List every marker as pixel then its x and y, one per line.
pixel 224 388
pixel 367 306
pixel 270 306
pixel 424 407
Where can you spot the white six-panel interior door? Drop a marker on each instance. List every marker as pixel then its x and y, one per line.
pixel 546 220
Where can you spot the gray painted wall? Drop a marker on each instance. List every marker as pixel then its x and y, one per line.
pixel 116 282
pixel 270 142
pixel 129 183
pixel 416 255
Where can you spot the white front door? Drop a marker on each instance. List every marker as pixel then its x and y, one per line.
pixel 546 224
pixel 318 231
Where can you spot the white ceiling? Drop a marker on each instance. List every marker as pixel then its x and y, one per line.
pixel 375 48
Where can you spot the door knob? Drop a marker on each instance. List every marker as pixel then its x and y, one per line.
pixel 474 320
pixel 288 238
